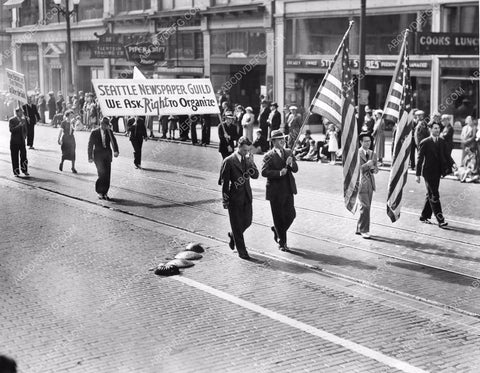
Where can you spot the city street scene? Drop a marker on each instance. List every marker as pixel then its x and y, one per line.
pixel 239 186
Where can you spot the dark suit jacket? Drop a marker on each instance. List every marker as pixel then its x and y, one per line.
pixel 31 113
pixel 433 159
pixel 279 186
pixel 138 131
pixel 230 130
pixel 276 121
pixel 18 133
pixel 262 119
pixel 96 151
pixel 235 181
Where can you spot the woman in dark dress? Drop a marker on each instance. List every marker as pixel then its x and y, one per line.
pixel 66 140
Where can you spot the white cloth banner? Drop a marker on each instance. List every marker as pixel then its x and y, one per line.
pixel 16 85
pixel 134 97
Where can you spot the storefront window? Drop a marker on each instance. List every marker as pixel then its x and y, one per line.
pixel 29 55
pixel 461 19
pixel 219 44
pixel 29 13
pixel 129 5
pixel 189 45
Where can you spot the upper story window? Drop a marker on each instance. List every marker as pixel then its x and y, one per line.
pixel 460 19
pixel 132 5
pixel 29 13
pixel 246 43
pixel 90 9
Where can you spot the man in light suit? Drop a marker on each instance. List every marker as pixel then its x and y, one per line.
pixel 433 162
pixel 368 167
pixel 99 151
pixel 235 174
pixel 278 167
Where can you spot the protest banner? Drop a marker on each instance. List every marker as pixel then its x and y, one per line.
pixel 16 85
pixel 134 97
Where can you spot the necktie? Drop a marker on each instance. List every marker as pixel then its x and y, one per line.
pixel 244 164
pixel 103 139
pixel 366 153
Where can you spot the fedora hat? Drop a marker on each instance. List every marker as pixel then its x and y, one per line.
pixel 277 134
pixel 229 114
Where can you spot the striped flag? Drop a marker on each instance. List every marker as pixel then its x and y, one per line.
pixel 398 109
pixel 335 101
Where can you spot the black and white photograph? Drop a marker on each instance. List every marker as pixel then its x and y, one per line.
pixel 245 186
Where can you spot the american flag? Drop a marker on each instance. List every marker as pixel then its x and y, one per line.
pixel 335 101
pixel 398 109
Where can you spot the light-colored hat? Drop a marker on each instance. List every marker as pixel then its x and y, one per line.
pixel 378 111
pixel 419 112
pixel 367 109
pixel 293 107
pixel 445 116
pixel 277 134
pixel 248 108
pixel 229 114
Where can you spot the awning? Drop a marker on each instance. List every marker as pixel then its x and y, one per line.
pixel 10 4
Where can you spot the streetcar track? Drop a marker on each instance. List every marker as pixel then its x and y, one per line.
pixel 306 235
pixel 201 174
pixel 314 268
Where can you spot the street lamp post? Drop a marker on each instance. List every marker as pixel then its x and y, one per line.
pixel 67 13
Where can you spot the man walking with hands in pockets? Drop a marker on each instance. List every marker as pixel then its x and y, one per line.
pixel 235 174
pixel 278 167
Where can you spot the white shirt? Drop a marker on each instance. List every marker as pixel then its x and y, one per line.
pixel 279 152
pixel 102 132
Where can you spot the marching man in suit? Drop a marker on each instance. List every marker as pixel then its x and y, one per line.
pixel 99 151
pixel 32 115
pixel 368 167
pixel 18 130
pixel 278 167
pixel 235 174
pixel 433 162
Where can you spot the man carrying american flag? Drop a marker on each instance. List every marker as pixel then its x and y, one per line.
pixel 398 109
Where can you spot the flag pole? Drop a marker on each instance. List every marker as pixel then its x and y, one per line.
pixel 321 84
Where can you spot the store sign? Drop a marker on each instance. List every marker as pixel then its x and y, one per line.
pixel 16 85
pixel 145 53
pixel 108 46
pixel 370 64
pixel 155 97
pixel 446 43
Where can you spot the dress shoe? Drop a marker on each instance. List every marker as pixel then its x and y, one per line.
pixel 74 171
pixel 101 196
pixel 366 235
pixel 442 224
pixel 16 175
pixel 26 173
pixel 357 232
pixel 106 197
pixel 31 147
pixel 245 256
pixel 231 243
pixel 60 166
pixel 275 234
pixel 284 248
pixel 425 220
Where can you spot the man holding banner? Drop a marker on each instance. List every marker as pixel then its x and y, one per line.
pixel 18 130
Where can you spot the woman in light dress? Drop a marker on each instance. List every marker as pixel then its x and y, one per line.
pixel 332 142
pixel 247 123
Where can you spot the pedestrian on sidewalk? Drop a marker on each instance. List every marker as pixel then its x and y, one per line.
pixel 447 132
pixel 379 136
pixel 433 162
pixel 18 130
pixel 194 120
pixel 332 142
pixel 52 106
pixel 66 140
pixel 235 174
pixel 368 167
pixel 138 133
pixel 100 151
pixel 278 167
pixel 42 108
pixel 206 126
pixel 32 115
pixel 248 120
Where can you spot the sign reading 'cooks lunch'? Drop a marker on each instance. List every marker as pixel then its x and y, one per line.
pixel 446 43
pixel 119 97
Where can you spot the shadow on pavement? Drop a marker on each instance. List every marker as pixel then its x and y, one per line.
pixel 130 202
pixel 157 170
pixel 473 232
pixel 436 274
pixel 427 248
pixel 331 259
pixel 44 150
pixel 194 177
pixel 39 179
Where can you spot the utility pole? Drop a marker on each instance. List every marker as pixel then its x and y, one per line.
pixel 362 99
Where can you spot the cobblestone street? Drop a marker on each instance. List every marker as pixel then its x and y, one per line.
pixel 78 295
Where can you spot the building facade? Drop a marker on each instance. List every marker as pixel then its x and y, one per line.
pixel 280 49
pixel 444 77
